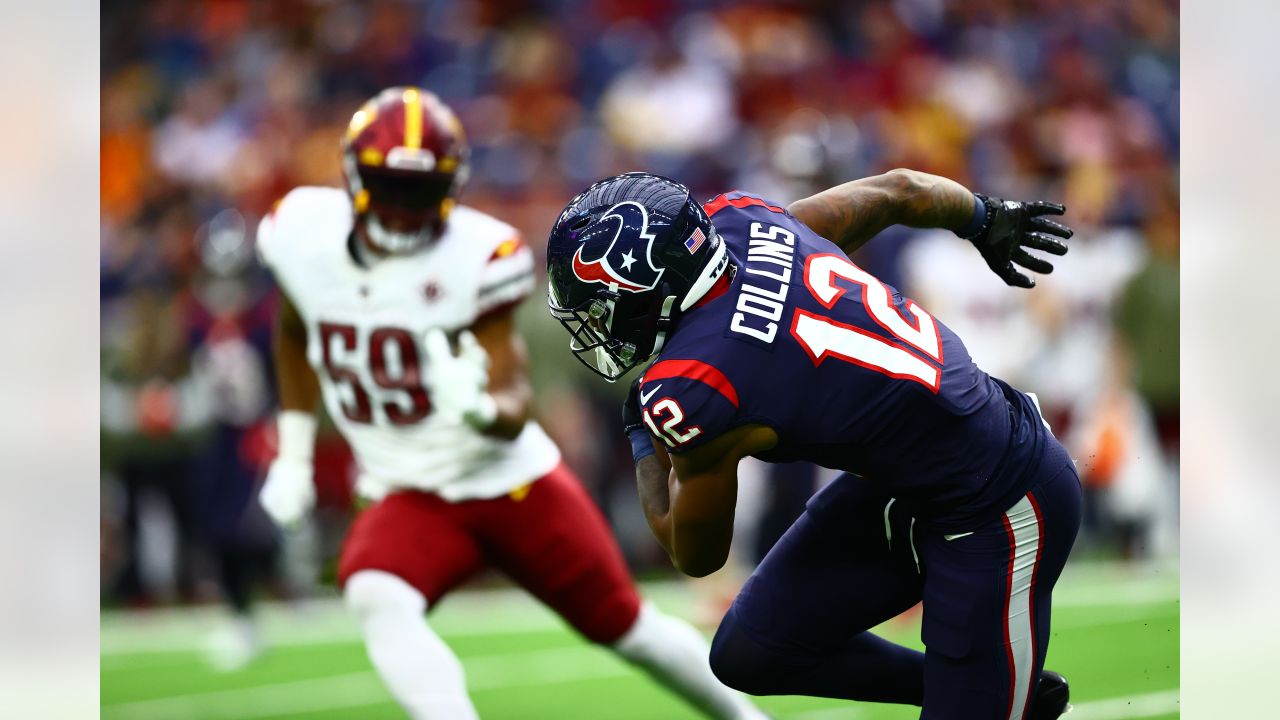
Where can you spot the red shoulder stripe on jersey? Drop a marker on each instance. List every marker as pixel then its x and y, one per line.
pixel 507 247
pixel 694 370
pixel 720 202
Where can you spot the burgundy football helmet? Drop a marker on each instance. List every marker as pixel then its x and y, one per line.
pixel 405 158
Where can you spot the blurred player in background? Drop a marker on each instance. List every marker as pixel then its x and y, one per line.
pixel 397 308
pixel 768 342
pixel 230 325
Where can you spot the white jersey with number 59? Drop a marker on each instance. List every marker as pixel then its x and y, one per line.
pixel 365 327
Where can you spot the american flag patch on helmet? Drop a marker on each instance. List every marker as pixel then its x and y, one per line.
pixel 695 240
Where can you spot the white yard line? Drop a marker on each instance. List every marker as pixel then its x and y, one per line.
pixel 486 672
pixel 326 693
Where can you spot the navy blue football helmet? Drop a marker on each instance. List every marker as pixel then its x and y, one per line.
pixel 624 260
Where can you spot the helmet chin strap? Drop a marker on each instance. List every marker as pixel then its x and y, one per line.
pixel 664 322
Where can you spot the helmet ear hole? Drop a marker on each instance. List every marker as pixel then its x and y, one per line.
pixel 680 228
pixel 580 224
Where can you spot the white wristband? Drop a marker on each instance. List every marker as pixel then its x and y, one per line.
pixel 296 435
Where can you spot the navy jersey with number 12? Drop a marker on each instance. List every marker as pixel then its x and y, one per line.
pixel 848 372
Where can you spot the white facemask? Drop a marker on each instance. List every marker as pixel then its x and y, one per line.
pixel 395 242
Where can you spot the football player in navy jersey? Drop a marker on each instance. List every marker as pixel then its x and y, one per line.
pixel 761 338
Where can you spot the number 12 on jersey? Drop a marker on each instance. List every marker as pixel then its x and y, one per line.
pixel 823 337
pixel 674 415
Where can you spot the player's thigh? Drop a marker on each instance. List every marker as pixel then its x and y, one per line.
pixel 415 536
pixel 987 605
pixel 836 572
pixel 555 543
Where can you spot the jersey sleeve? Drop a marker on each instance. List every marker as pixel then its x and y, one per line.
pixel 507 277
pixel 687 403
pixel 278 227
pixel 267 241
pixel 280 242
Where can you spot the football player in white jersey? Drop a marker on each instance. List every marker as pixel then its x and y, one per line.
pixel 397 309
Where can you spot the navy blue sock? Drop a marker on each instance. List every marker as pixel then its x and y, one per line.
pixel 867 668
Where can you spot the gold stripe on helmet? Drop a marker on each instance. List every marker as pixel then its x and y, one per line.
pixel 412 118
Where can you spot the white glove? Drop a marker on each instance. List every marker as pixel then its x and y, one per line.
pixel 289 492
pixel 459 383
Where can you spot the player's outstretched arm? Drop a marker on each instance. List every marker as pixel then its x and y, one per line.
pixel 1002 230
pixel 851 214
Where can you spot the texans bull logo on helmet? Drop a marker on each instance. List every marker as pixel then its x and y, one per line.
pixel 626 262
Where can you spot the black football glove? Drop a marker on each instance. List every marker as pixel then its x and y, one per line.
pixel 631 419
pixel 1009 228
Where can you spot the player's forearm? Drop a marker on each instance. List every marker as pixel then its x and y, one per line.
pixel 299 389
pixel 853 213
pixel 512 405
pixel 701 522
pixel 507 399
pixel 653 478
pixel 296 382
pixel 699 550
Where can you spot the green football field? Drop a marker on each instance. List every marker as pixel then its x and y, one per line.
pixel 1115 637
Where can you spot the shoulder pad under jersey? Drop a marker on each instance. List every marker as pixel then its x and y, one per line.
pixel 303 220
pixel 507 275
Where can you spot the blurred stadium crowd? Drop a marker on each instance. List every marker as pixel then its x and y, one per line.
pixel 212 110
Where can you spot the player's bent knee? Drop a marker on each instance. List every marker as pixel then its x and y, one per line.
pixel 737 660
pixel 611 621
pixel 369 591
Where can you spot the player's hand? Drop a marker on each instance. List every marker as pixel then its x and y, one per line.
pixel 459 383
pixel 631 420
pixel 289 492
pixel 1010 228
pixel 642 444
